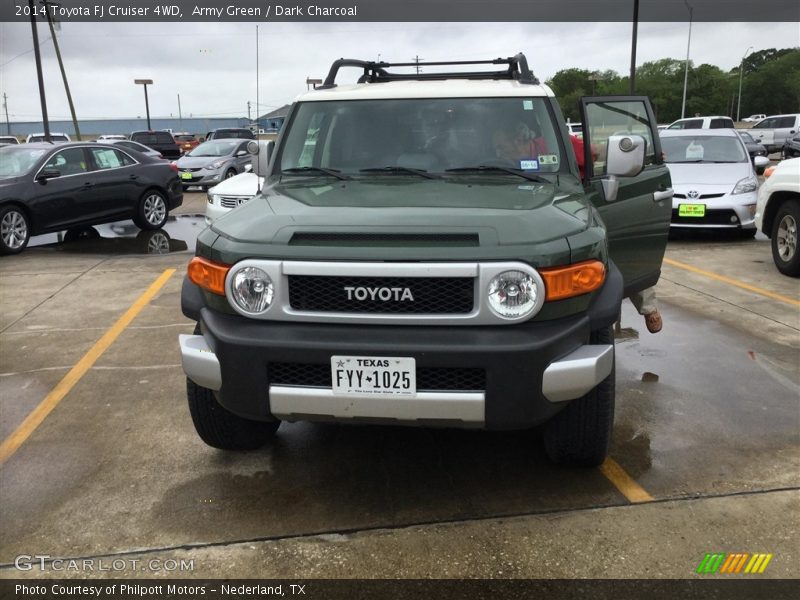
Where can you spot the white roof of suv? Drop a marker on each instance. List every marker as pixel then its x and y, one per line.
pixel 440 88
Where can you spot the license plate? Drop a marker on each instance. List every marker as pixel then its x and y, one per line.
pixel 374 375
pixel 186 175
pixel 691 210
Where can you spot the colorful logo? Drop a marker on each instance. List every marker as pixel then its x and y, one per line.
pixel 740 562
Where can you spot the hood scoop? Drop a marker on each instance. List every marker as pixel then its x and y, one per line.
pixel 384 239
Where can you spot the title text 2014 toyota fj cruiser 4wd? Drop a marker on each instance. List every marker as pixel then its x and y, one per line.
pixel 425 250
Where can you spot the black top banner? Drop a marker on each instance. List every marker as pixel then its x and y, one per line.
pixel 404 10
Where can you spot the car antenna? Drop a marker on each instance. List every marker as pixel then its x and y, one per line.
pixel 258 177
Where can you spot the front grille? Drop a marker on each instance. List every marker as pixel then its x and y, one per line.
pixel 232 202
pixel 384 239
pixel 429 379
pixel 431 295
pixel 185 170
pixel 701 196
pixel 712 217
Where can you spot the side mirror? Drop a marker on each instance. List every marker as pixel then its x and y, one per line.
pixel 262 157
pixel 760 162
pixel 625 159
pixel 43 176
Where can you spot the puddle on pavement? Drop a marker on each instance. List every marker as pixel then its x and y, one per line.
pixel 123 237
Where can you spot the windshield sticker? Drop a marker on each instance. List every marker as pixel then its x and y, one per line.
pixel 694 152
pixel 548 159
pixel 527 105
pixel 529 165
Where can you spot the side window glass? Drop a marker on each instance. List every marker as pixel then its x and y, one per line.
pixel 785 122
pixel 68 162
pixel 107 158
pixel 693 124
pixel 720 124
pixel 765 124
pixel 616 118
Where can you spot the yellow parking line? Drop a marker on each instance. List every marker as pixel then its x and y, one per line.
pixel 33 420
pixel 624 482
pixel 735 282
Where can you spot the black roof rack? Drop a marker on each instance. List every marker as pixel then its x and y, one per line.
pixel 375 72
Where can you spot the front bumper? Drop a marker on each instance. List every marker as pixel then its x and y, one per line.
pixel 204 177
pixel 530 370
pixel 726 212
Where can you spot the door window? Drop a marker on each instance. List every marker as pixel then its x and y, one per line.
pixel 108 158
pixel 721 124
pixel 766 123
pixel 67 162
pixel 617 117
pixel 785 122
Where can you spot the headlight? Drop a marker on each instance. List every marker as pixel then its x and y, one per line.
pixel 513 294
pixel 212 198
pixel 748 184
pixel 252 290
pixel 216 165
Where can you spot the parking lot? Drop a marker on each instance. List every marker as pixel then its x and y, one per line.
pixel 100 459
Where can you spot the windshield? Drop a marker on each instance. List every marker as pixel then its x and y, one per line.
pixel 214 149
pixel 18 160
pixel 703 149
pixel 379 138
pixel 746 137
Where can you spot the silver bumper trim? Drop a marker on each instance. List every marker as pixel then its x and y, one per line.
pixel 294 403
pixel 199 362
pixel 575 374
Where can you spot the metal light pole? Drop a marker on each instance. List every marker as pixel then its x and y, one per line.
pixel 145 83
pixel 38 56
pixel 47 4
pixel 632 78
pixel 739 103
pixel 686 69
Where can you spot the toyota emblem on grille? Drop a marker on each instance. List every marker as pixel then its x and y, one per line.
pixel 693 194
pixel 384 294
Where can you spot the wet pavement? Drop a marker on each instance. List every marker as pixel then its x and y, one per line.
pixel 708 423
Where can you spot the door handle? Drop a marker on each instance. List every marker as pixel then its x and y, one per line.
pixel 666 194
pixel 88 184
pixel 134 177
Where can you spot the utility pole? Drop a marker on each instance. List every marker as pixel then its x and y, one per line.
pixel 632 78
pixel 180 116
pixel 38 56
pixel 741 64
pixel 686 68
pixel 249 120
pixel 145 83
pixel 416 60
pixel 46 5
pixel 5 106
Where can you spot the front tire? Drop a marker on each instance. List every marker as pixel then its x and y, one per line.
pixel 230 173
pixel 581 433
pixel 152 211
pixel 784 238
pixel 15 230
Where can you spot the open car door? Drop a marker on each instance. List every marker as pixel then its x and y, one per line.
pixel 637 220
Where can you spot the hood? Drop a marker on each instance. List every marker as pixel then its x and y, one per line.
pixel 243 184
pixel 492 210
pixel 708 174
pixel 198 162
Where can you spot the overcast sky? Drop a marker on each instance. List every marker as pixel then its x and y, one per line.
pixel 212 65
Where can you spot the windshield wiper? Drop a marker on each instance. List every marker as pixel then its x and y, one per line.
pixel 420 172
pixel 301 170
pixel 484 168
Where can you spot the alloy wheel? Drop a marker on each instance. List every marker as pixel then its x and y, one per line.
pixel 154 209
pixel 14 229
pixel 787 238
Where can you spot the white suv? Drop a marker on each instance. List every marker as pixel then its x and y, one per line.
pixel 703 123
pixel 778 214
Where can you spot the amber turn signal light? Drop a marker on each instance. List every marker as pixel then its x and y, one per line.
pixel 573 280
pixel 208 275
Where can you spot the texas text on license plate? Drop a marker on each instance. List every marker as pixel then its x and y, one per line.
pixel 691 210
pixel 374 375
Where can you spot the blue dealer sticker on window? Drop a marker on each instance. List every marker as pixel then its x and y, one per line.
pixel 529 165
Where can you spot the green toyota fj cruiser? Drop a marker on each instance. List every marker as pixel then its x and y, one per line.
pixel 426 250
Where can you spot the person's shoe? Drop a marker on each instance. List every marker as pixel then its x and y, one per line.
pixel 653 321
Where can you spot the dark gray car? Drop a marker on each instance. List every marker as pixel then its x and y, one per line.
pixel 213 161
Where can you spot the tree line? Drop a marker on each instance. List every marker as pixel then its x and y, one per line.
pixel 770 85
